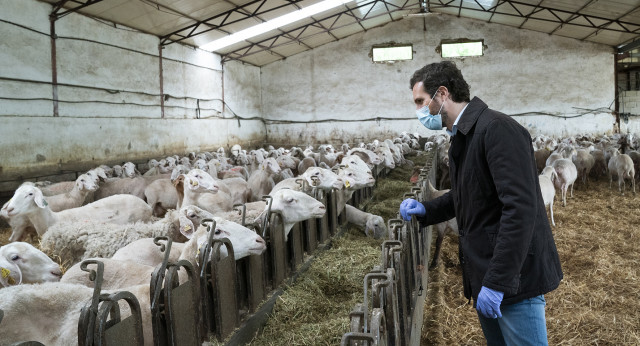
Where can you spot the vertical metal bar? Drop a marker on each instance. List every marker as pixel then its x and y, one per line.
pixel 54 67
pixel 616 94
pixel 222 90
pixel 160 48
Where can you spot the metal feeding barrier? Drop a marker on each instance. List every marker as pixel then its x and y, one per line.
pixel 392 309
pixel 219 296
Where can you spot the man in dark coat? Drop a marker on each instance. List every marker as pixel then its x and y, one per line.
pixel 508 256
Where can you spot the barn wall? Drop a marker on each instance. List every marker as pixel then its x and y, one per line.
pixel 110 96
pixel 521 72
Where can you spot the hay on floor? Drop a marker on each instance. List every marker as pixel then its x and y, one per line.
pixel 598 301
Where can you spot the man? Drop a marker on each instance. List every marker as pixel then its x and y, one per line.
pixel 508 256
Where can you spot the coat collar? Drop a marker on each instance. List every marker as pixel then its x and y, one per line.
pixel 471 114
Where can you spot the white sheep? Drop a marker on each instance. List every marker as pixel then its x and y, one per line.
pixel 28 200
pixel 294 206
pixel 261 182
pixel 145 251
pixel 317 177
pixel 622 166
pixel 72 242
pixel 74 198
pixel 120 273
pixel 567 175
pixel 49 312
pixel 373 225
pixel 584 161
pixel 22 263
pixel 161 194
pixel 546 181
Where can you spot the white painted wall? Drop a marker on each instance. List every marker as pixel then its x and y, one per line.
pixel 115 114
pixel 521 72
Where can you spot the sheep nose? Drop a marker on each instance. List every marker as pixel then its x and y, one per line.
pixel 323 207
pixel 9 210
pixel 261 241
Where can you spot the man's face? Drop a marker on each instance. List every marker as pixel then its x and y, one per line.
pixel 420 97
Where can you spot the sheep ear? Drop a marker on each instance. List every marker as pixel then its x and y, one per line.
pixel 101 173
pixel 186 226
pixel 6 279
pixel 39 199
pixel 192 183
pixel 179 180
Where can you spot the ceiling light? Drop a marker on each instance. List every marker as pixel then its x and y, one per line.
pixel 272 24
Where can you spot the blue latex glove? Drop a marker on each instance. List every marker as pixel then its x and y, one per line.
pixel 410 207
pixel 488 303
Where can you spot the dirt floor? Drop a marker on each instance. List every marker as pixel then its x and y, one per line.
pixel 598 301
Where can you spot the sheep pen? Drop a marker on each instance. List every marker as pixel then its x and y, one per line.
pixel 597 302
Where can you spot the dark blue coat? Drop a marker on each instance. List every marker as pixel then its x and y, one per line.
pixel 506 242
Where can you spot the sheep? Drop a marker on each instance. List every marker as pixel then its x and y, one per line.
pixel 635 157
pixel 74 198
pixel 546 180
pixel 442 227
pixel 584 162
pixel 72 242
pixel 567 175
pixel 161 194
pixel 317 177
pixel 118 273
pixel 294 206
pixel 552 157
pixel 622 166
pixel 541 156
pixel 49 312
pixel 154 168
pixel 368 156
pixel 373 225
pixel 20 224
pixel 306 163
pixel 28 200
pixel 599 168
pixel 202 190
pixel 145 251
pixel 261 182
pixel 22 263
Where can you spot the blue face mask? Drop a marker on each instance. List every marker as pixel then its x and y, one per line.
pixel 430 121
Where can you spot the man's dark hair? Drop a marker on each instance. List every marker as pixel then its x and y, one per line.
pixel 445 74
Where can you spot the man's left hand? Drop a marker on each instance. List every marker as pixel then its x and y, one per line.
pixel 488 303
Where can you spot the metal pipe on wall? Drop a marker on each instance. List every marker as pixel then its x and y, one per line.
pixel 160 48
pixel 54 69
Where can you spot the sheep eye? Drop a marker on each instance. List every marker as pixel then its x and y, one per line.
pixel 218 232
pixel 15 257
pixel 30 193
pixel 192 216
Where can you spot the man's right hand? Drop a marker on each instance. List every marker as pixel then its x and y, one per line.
pixel 410 207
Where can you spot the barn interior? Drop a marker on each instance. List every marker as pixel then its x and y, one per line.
pixel 85 83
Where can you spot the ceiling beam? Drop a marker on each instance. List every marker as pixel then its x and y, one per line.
pixel 240 53
pixel 555 12
pixel 611 22
pixel 192 29
pixel 59 12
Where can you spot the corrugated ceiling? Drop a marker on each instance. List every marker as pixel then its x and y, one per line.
pixel 196 22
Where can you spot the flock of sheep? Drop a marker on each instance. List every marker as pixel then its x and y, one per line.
pixel 114 213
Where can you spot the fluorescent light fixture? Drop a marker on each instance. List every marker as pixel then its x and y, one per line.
pixel 484 3
pixel 272 24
